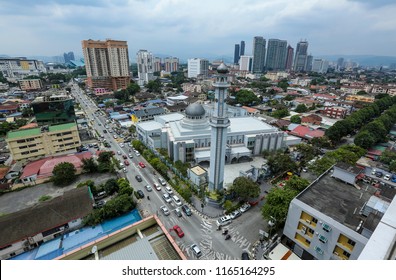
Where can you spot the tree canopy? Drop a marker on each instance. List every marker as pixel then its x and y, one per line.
pixel 63 173
pixel 245 188
pixel 246 98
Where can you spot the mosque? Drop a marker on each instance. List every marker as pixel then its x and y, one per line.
pixel 187 137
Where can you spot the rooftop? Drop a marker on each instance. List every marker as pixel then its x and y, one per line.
pixel 60 127
pixel 336 199
pixel 23 133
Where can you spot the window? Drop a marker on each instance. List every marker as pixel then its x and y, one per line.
pixel 314 220
pixel 326 228
pixel 310 230
pixel 351 242
pixel 318 250
pixel 346 254
pixel 322 239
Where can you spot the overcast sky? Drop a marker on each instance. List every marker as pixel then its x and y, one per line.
pixel 198 28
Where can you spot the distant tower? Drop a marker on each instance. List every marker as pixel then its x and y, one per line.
pixel 236 54
pixel 242 48
pixel 300 59
pixel 219 123
pixel 258 54
pixel 289 58
pixel 145 63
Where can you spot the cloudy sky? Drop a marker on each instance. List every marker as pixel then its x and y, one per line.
pixel 198 28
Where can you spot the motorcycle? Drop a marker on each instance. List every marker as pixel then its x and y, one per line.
pixel 225 231
pixel 228 237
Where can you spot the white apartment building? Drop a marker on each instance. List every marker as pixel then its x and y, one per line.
pixel 197 67
pixel 21 67
pixel 145 63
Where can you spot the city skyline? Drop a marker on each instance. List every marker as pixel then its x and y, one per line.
pixel 187 29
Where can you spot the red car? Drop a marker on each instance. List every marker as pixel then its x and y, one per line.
pixel 178 230
pixel 126 162
pixel 141 164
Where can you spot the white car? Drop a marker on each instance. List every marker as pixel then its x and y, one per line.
pixel 165 210
pixel 387 177
pixel 122 145
pixel 245 207
pixel 167 197
pixel 168 190
pixel 235 214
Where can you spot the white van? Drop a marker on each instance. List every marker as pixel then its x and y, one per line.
pixel 223 221
pixel 176 200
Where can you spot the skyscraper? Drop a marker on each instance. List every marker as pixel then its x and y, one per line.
pixel 197 67
pixel 236 54
pixel 219 123
pixel 300 59
pixel 276 54
pixel 289 58
pixel 242 49
pixel 308 65
pixel 145 63
pixel 320 65
pixel 258 54
pixel 106 63
pixel 157 64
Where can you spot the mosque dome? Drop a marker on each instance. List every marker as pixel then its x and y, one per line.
pixel 222 69
pixel 195 110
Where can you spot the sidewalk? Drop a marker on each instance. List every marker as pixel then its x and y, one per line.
pixel 208 210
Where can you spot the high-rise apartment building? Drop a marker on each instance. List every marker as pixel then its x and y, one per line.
pixel 300 59
pixel 289 58
pixel 157 64
pixel 236 54
pixel 145 63
pixel 106 63
pixel 258 54
pixel 242 48
pixel 320 65
pixel 276 54
pixel 308 66
pixel 197 67
pixel 171 64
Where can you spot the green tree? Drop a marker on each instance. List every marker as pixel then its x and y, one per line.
pixel 283 84
pixel 280 113
pixel 279 163
pixel 105 157
pixel 365 139
pixel 245 188
pixel 277 205
pixel 63 173
pixel 111 186
pixel 154 86
pixel 133 88
pixel 186 193
pixel 388 156
pixel 296 183
pixel 301 108
pixel 321 165
pixel 295 119
pixel 89 165
pixel 361 92
pixel 246 97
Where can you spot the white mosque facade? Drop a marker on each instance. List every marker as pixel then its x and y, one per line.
pixel 188 137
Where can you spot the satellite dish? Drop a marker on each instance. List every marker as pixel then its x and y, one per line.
pixel 94 249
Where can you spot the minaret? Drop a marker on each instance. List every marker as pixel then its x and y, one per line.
pixel 219 123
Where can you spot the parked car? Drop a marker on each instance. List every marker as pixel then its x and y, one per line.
pixel 178 231
pixel 387 177
pixel 124 157
pixel 148 188
pixel 142 165
pixel 197 252
pixel 157 186
pixel 223 221
pixel 162 181
pixel 138 178
pixel 130 155
pixel 140 194
pixel 245 207
pixel 167 197
pixel 379 174
pixel 126 162
pixel 235 214
pixel 165 210
pixel 168 190
pixel 373 171
pixel 125 170
pixel 245 256
pixel 119 152
pixel 99 204
pixel 186 210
